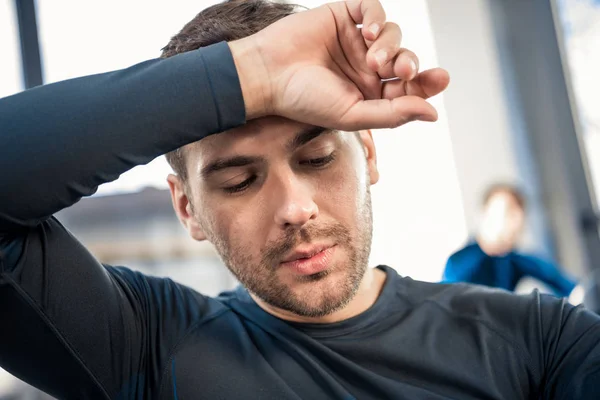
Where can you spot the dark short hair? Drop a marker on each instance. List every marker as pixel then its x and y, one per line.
pixel 513 190
pixel 226 21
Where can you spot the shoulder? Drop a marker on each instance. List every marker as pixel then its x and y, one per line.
pixel 163 295
pixel 535 262
pixel 462 298
pixel 470 250
pixel 518 317
pixel 508 315
pixel 555 342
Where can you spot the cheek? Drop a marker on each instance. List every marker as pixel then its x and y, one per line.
pixel 231 226
pixel 343 193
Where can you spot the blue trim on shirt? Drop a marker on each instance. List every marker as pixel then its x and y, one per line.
pixel 174 379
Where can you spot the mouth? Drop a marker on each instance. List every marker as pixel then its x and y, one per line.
pixel 309 261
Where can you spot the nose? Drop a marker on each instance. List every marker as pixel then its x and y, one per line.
pixel 295 205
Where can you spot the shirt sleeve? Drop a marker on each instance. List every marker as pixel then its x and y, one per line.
pixel 546 272
pixel 557 342
pixel 452 273
pixel 570 339
pixel 69 325
pixel 461 266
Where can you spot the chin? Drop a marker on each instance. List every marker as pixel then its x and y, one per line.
pixel 328 278
pixel 321 294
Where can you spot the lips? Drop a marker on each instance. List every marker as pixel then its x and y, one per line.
pixel 300 254
pixel 310 260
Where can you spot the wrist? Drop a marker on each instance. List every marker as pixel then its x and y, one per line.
pixel 253 76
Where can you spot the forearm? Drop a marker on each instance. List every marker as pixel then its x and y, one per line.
pixel 61 141
pixel 548 273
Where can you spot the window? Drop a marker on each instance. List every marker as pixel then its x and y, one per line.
pixel 107 35
pixel 580 20
pixel 11 80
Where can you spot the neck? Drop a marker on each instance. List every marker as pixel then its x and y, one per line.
pixel 494 248
pixel 367 294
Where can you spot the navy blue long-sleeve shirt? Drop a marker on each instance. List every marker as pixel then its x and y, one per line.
pixel 82 330
pixel 472 265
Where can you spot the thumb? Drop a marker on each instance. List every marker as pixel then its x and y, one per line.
pixel 384 113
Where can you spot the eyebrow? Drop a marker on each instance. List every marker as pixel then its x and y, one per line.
pixel 223 163
pixel 300 139
pixel 306 136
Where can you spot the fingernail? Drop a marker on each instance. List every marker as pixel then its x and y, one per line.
pixel 414 118
pixel 374 28
pixel 381 57
pixel 426 118
pixel 413 67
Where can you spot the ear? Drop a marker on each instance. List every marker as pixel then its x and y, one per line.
pixel 183 207
pixel 366 138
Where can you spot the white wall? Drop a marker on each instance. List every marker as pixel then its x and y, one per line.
pixel 418 210
pixel 488 138
pixel 11 80
pixel 475 100
pixel 81 37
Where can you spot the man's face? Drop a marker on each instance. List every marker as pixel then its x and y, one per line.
pixel 288 209
pixel 503 219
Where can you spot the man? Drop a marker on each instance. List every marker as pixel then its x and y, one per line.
pixel 491 259
pixel 285 200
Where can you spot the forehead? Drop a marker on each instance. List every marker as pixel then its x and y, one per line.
pixel 264 137
pixel 256 134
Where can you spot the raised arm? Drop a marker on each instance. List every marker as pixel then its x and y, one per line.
pixel 67 324
pixel 61 141
pixel 546 272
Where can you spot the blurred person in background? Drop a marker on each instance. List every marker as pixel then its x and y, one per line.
pixel 265 115
pixel 492 258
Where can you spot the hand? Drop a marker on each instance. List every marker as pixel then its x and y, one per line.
pixel 577 295
pixel 317 67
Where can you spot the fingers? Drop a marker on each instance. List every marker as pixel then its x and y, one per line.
pixel 404 66
pixel 387 113
pixel 433 81
pixel 370 14
pixel 386 47
pixel 425 85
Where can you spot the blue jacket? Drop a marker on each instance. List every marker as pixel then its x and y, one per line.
pixel 472 265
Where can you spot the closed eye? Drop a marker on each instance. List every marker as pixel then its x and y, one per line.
pixel 240 187
pixel 319 162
